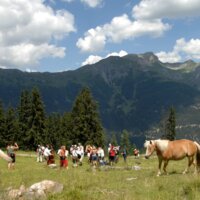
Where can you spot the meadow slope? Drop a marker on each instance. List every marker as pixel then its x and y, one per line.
pixel 122 182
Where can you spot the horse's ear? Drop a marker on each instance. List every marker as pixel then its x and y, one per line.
pixel 150 142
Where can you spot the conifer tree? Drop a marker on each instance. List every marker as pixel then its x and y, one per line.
pixel 2 126
pixel 36 134
pixel 86 125
pixel 11 126
pixel 170 128
pixel 53 130
pixel 24 116
pixel 113 140
pixel 125 141
pixel 66 129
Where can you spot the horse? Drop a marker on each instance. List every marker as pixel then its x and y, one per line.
pixel 174 150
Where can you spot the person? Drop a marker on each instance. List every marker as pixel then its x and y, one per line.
pixel 63 154
pixel 111 155
pixel 101 155
pixel 94 156
pixel 47 153
pixel 51 159
pixel 11 153
pixel 74 153
pixel 136 153
pixel 39 153
pixel 80 153
pixel 124 153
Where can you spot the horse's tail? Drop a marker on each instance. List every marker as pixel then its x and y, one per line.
pixel 198 154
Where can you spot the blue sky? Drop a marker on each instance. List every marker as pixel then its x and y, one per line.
pixel 61 35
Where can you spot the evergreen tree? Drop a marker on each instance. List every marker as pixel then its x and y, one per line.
pixel 24 116
pixel 170 128
pixel 2 126
pixel 11 126
pixel 86 125
pixel 36 134
pixel 125 141
pixel 53 130
pixel 66 129
pixel 113 140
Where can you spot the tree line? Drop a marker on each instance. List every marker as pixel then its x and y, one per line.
pixel 29 125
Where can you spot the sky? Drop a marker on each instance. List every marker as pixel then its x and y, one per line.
pixel 62 35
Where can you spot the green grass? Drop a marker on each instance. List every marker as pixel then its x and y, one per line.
pixel 121 183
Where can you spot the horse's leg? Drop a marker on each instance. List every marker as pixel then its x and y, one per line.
pixel 195 164
pixel 165 166
pixel 190 162
pixel 159 166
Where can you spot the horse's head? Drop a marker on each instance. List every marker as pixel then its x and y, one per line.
pixel 150 147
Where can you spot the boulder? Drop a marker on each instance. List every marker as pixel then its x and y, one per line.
pixel 36 191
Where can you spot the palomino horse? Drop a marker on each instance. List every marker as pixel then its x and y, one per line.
pixel 174 150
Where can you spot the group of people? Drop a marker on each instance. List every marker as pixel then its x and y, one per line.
pixel 95 154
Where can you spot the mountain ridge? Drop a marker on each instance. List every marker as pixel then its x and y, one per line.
pixel 133 91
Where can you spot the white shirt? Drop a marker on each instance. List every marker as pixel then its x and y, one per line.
pixel 47 152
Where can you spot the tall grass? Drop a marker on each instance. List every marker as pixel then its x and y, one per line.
pixel 119 183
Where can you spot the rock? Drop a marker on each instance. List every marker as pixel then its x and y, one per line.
pixel 47 186
pixel 36 191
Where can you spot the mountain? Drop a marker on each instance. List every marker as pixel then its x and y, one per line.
pixel 133 91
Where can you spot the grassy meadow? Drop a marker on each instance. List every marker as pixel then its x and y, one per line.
pixel 120 183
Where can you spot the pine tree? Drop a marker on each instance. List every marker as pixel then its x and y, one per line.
pixel 66 129
pixel 86 125
pixel 2 126
pixel 170 128
pixel 24 116
pixel 36 134
pixel 53 130
pixel 113 140
pixel 125 141
pixel 11 126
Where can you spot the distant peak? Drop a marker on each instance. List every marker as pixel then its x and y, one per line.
pixel 189 62
pixel 149 56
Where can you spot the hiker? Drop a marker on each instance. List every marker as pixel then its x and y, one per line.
pixel 80 153
pixel 112 155
pixel 47 153
pixel 124 153
pixel 63 154
pixel 136 153
pixel 11 153
pixel 39 152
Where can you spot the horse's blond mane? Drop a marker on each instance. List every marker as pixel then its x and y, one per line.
pixel 162 144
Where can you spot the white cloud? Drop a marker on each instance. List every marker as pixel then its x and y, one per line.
pixel 147 19
pixel 120 28
pixel 28 27
pixel 182 50
pixel 170 57
pixel 120 54
pixel 92 3
pixel 28 54
pixel 93 41
pixel 94 58
pixel 157 9
pixel 91 60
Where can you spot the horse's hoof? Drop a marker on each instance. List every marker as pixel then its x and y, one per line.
pixel 158 175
